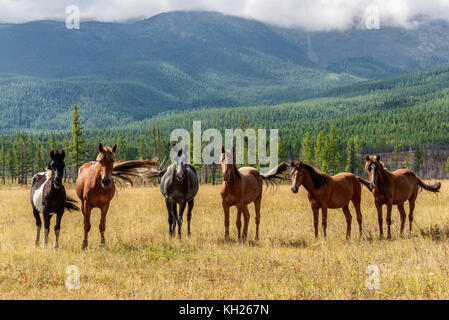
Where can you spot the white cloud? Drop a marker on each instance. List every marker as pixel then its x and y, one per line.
pixel 310 14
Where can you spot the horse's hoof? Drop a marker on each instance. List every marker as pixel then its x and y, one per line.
pixel 84 246
pixel 36 245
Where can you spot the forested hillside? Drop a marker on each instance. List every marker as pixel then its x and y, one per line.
pixel 405 118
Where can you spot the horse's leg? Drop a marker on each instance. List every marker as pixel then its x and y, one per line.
pixel 359 216
pixel 189 215
pixel 170 216
pixel 58 228
pixel 403 216
pixel 324 220
pixel 389 208
pixel 102 226
pixel 182 207
pixel 238 222
pixel 174 212
pixel 348 217
pixel 315 220
pixel 246 222
pixel 226 219
pixel 257 209
pixel 411 203
pixel 38 226
pixel 87 210
pixel 47 218
pixel 380 219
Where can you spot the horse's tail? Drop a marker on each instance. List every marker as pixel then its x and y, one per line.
pixel 429 187
pixel 273 176
pixel 365 183
pixel 70 204
pixel 127 170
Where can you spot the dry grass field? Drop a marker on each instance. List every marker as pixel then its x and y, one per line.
pixel 140 261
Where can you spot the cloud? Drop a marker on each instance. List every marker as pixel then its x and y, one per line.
pixel 309 14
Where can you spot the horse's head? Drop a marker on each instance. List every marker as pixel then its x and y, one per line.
pixel 227 163
pixel 56 166
pixel 297 175
pixel 106 158
pixel 373 166
pixel 180 161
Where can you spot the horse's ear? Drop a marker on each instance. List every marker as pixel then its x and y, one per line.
pixel 62 154
pixel 52 155
pixel 223 149
pixel 114 148
pixel 290 163
pixel 377 158
pixel 100 147
pixel 367 158
pixel 299 164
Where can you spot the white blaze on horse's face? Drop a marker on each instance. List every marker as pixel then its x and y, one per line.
pixel 180 164
pixel 373 168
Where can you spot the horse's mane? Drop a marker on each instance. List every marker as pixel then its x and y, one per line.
pixel 319 178
pixel 237 172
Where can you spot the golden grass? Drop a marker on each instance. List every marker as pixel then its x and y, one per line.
pixel 140 261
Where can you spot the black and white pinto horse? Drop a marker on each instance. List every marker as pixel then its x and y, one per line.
pixel 48 196
pixel 179 186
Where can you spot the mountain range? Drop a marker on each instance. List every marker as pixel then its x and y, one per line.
pixel 121 73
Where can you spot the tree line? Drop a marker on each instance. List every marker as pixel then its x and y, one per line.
pixel 24 154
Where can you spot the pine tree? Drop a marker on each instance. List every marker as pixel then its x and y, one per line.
pixel 52 142
pixel 417 159
pixel 122 147
pixel 76 146
pixel 332 150
pixel 142 149
pixel 358 156
pixel 3 163
pixel 307 149
pixel 11 160
pixel 446 166
pixel 397 150
pixel 351 159
pixel 320 149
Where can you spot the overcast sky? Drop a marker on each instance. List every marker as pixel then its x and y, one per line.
pixel 310 14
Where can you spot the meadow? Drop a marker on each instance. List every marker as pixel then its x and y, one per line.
pixel 140 260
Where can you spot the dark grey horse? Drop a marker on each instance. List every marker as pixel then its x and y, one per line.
pixel 179 185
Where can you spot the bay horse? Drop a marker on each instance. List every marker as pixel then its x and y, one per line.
pixel 179 186
pixel 242 186
pixel 95 183
pixel 393 188
pixel 48 195
pixel 328 192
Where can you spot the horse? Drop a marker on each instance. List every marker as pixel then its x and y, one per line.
pixel 179 186
pixel 48 195
pixel 95 183
pixel 242 186
pixel 393 188
pixel 328 192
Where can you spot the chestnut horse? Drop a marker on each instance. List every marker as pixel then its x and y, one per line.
pixel 326 192
pixel 95 183
pixel 241 187
pixel 393 188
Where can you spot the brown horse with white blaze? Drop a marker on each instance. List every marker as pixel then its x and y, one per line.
pixel 393 188
pixel 328 192
pixel 95 183
pixel 241 187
